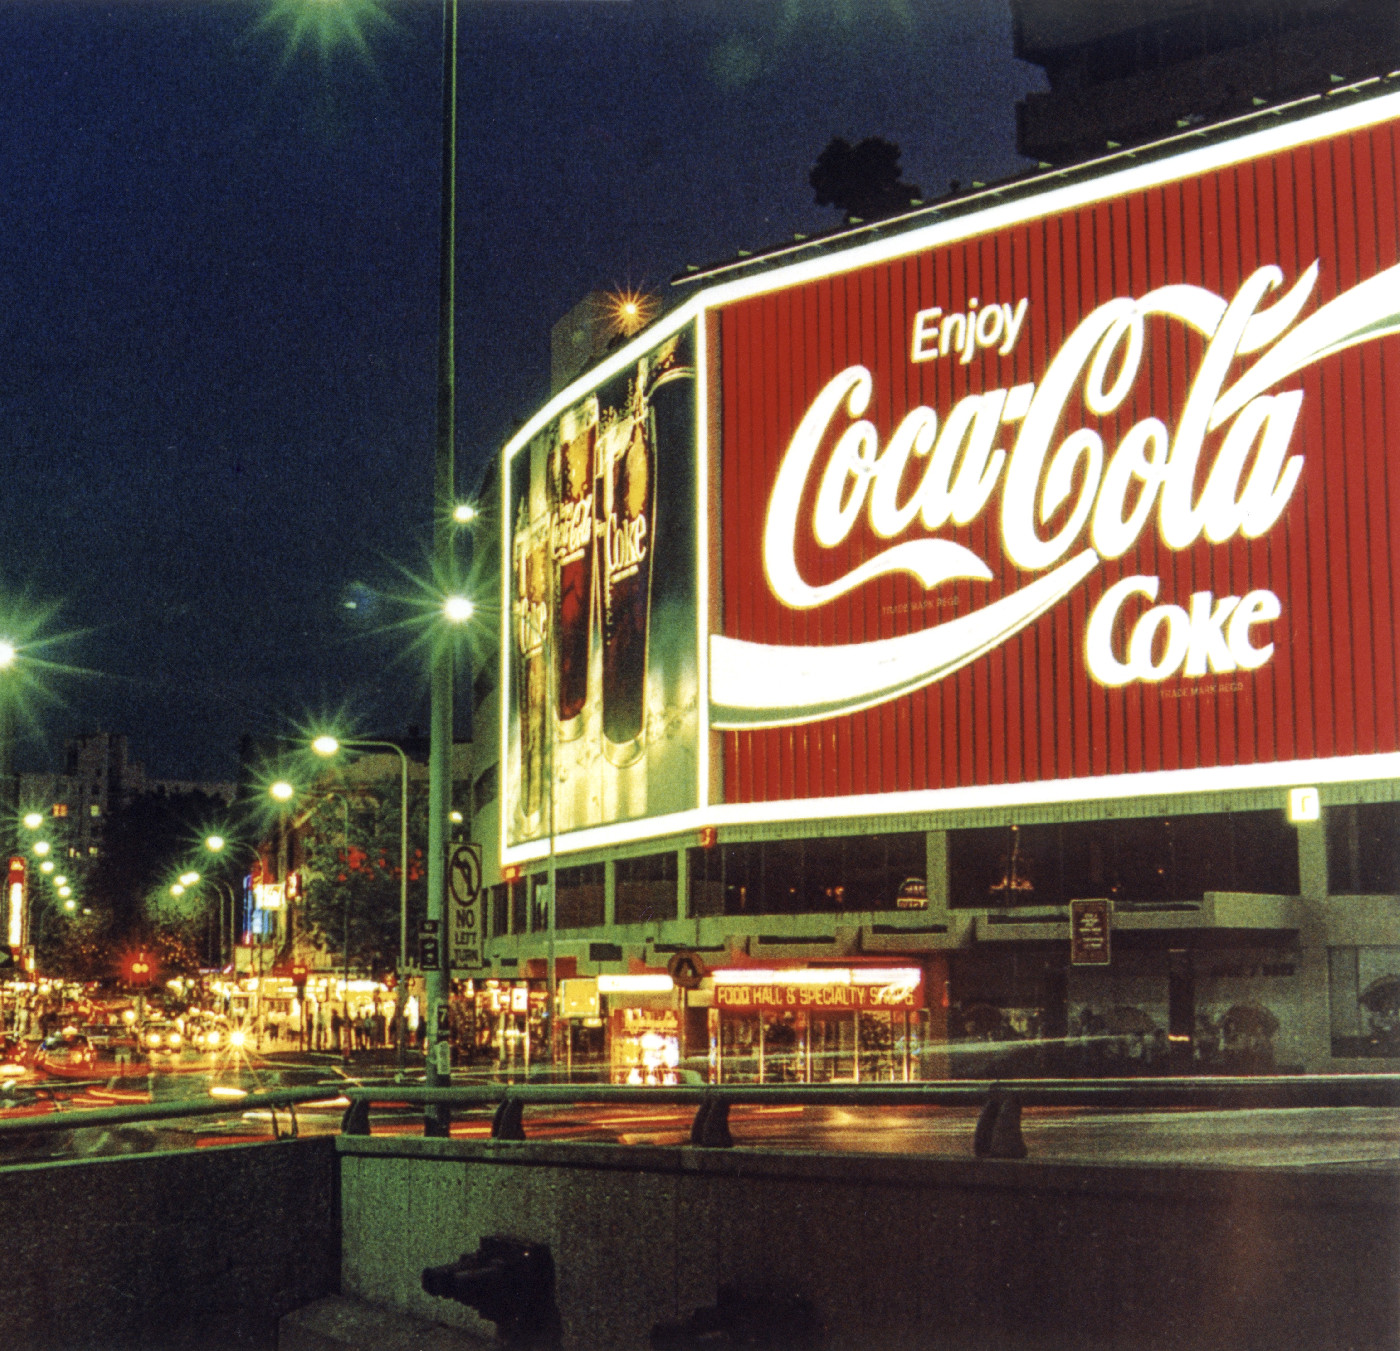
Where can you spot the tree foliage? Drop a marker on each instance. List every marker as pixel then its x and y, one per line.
pixel 863 179
pixel 352 885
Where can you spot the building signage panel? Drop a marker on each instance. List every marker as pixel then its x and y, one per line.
pixel 600 574
pixel 818 998
pixel 1104 491
pixel 1090 930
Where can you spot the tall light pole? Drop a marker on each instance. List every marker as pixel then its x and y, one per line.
pixel 9 784
pixel 444 569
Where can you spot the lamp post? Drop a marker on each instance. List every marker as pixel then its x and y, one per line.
pixel 444 492
pixel 9 784
pixel 328 746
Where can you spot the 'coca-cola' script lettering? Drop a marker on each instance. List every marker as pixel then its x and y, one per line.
pixel 1062 507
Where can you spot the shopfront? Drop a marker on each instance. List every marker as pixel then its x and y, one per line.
pixel 812 1025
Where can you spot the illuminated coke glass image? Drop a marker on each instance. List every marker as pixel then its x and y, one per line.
pixel 603 723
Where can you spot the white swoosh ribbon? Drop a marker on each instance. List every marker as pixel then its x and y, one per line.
pixel 766 685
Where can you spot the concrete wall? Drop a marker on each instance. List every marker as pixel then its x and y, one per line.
pixel 894 1252
pixel 201 1248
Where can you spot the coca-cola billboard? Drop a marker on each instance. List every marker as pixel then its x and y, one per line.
pixel 602 694
pixel 1089 492
pixel 1084 494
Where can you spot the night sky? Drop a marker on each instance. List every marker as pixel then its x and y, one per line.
pixel 218 297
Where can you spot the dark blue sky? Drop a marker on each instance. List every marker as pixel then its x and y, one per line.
pixel 218 295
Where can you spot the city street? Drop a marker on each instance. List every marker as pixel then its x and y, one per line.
pixel 1254 1138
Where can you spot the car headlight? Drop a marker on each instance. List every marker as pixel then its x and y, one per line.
pixel 174 1038
pixel 153 1039
pixel 212 1039
pixel 236 1038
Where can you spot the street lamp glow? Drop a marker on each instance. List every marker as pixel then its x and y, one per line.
pixel 60 880
pixel 177 890
pixel 33 820
pixel 282 790
pixel 70 905
pixel 65 892
pixel 214 843
pixel 464 513
pixel 458 609
pixel 46 866
pixel 325 745
pixel 41 847
pixel 189 879
pixel 7 653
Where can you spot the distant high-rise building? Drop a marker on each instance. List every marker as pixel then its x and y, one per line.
pixel 1133 70
pixel 99 777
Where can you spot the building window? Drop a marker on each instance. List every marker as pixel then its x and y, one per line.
pixel 484 684
pixel 579 903
pixel 1363 849
pixel 797 877
pixel 646 888
pixel 1144 860
pixel 486 788
pixel 95 809
pixel 500 909
pixel 1364 999
pixel 60 809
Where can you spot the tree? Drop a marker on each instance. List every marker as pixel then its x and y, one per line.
pixel 862 180
pixel 353 884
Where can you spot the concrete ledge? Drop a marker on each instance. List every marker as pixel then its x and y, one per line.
pixel 337 1323
pixel 1345 1185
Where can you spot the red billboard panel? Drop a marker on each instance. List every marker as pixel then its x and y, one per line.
pixel 1099 484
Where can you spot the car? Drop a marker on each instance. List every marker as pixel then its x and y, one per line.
pixel 160 1036
pixel 66 1054
pixel 208 1033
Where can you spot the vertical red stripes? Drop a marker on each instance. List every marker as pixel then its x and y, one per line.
pixel 1029 709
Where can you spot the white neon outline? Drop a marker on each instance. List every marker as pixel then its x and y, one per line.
pixel 1284 136
pixel 924 801
pixel 702 561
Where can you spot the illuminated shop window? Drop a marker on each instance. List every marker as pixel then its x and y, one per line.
pixel 646 888
pixel 798 877
pixel 1363 849
pixel 95 809
pixel 1149 860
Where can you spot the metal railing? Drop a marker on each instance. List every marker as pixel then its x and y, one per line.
pixel 997 1133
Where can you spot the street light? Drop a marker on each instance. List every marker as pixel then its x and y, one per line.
pixel 458 609
pixel 33 820
pixel 464 513
pixel 327 746
pixel 41 847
